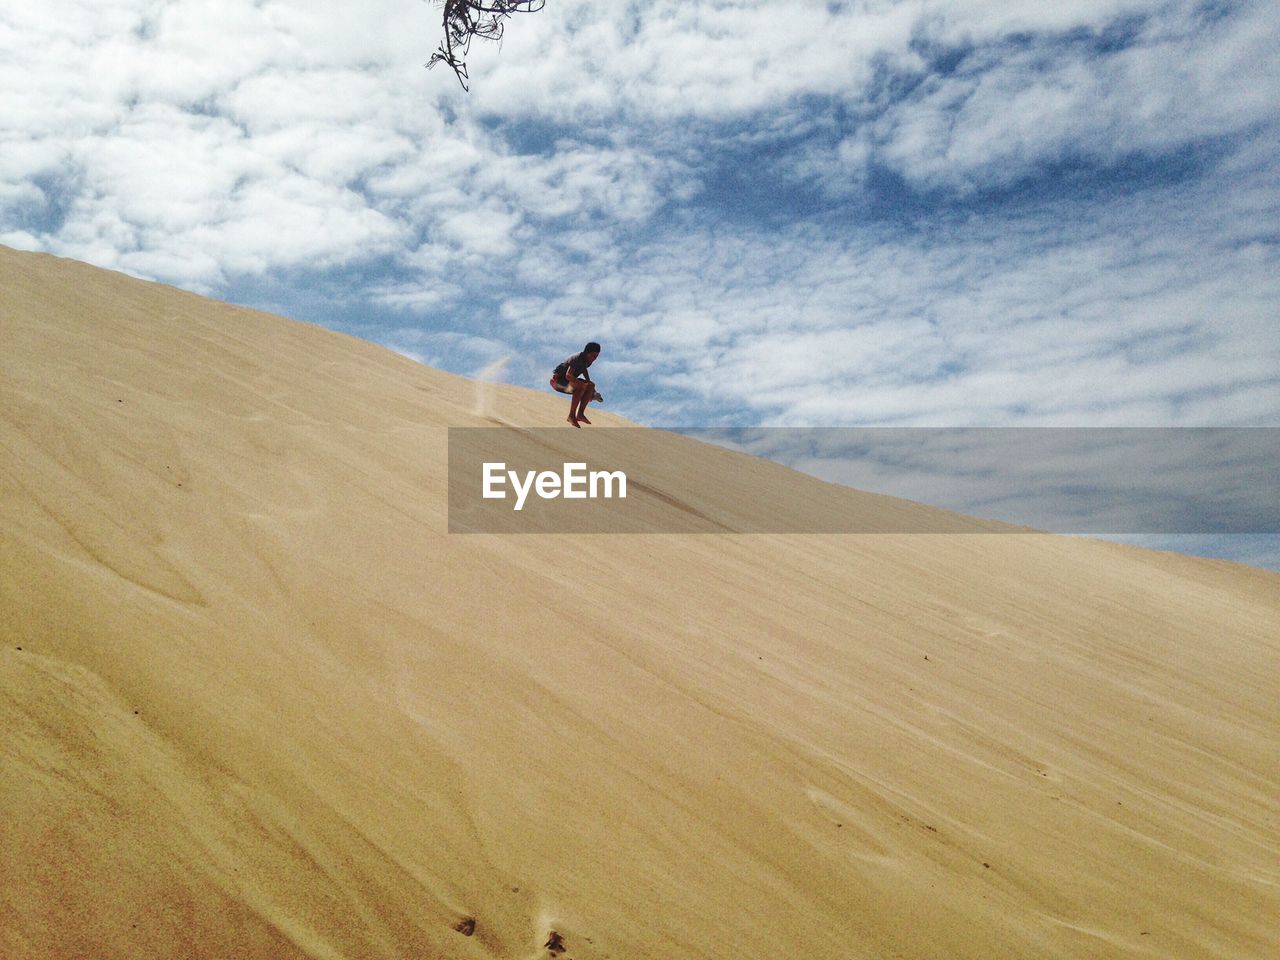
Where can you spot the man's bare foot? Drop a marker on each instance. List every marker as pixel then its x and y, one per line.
pixel 582 419
pixel 572 419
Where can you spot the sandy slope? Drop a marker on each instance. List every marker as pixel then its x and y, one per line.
pixel 265 706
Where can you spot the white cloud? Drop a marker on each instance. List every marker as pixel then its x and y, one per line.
pixel 669 58
pixel 21 240
pixel 1007 110
pixel 195 140
pixel 589 183
pixel 980 21
pixel 478 356
pixel 415 297
pixel 182 105
pixel 483 231
pixel 1145 311
pixel 190 197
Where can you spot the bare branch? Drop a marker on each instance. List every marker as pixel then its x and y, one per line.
pixel 467 19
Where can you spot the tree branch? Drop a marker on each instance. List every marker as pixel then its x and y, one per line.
pixel 467 19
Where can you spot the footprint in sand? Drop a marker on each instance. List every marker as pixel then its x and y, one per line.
pixel 861 835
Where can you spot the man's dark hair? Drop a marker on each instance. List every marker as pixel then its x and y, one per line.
pixel 591 347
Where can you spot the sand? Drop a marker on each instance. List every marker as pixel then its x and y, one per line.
pixel 256 701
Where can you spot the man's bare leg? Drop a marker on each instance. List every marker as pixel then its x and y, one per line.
pixel 583 390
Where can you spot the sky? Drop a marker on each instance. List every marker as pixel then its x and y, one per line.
pixel 943 213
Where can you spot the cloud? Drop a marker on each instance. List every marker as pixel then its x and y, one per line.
pixel 782 212
pixel 1073 480
pixel 150 128
pixel 482 357
pixel 672 59
pixel 1145 309
pixel 1258 550
pixel 185 196
pixel 1181 78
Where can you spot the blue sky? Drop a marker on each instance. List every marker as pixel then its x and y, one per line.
pixel 923 213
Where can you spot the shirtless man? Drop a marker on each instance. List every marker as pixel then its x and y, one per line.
pixel 571 377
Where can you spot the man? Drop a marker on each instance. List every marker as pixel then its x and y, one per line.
pixel 571 377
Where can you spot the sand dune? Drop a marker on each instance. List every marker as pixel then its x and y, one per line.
pixel 256 701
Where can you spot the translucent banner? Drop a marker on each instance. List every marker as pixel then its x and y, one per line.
pixel 880 480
